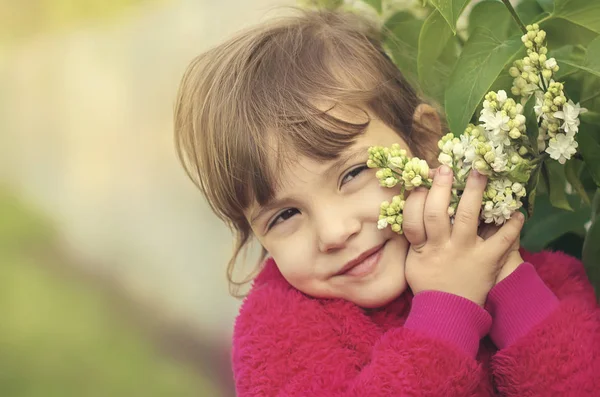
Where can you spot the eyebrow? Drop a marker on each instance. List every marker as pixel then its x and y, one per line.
pixel 346 158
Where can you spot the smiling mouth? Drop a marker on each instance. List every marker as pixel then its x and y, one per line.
pixel 365 263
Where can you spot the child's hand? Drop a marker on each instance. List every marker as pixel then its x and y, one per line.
pixel 511 260
pixel 453 258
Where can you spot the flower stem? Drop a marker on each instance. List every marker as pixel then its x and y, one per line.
pixel 514 15
pixel 540 159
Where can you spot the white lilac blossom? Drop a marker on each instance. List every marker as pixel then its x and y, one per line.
pixel 498 147
pixel 570 115
pixel 562 147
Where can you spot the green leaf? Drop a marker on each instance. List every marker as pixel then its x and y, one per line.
pixel 547 5
pixel 561 32
pixel 532 127
pixel 592 59
pixel 402 39
pixel 554 173
pixel 591 64
pixel 585 13
pixel 376 4
pixel 494 16
pixel 451 10
pixel 572 172
pixel 433 40
pixel 590 117
pixel 531 189
pixel 591 248
pixel 482 59
pixel 570 53
pixel 549 223
pixel 530 11
pixel 590 150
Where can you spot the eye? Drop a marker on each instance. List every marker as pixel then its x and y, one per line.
pixel 353 173
pixel 283 215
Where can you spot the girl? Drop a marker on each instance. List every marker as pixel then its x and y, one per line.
pixel 273 126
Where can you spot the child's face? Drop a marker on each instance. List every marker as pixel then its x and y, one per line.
pixel 328 217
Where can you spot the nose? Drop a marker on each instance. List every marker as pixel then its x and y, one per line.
pixel 335 228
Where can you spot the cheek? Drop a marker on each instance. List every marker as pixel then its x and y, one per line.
pixel 294 258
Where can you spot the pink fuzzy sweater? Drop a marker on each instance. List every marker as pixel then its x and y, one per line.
pixel 539 335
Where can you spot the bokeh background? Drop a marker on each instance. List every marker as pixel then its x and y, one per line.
pixel 112 267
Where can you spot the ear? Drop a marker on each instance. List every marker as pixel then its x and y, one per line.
pixel 427 128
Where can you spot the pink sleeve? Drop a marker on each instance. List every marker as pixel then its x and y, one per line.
pixel 451 318
pixel 298 350
pixel 549 345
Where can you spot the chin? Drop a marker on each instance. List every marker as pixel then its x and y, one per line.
pixel 379 296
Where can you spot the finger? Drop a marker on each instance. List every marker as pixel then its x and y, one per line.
pixel 412 222
pixel 437 221
pixel 466 220
pixel 487 230
pixel 502 241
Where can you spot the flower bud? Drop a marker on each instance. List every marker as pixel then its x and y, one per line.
pixel 534 56
pixel 445 159
pixel 396 228
pixel 514 133
pixel 451 211
pixel 531 35
pixel 382 224
pixel 522 150
pixel 515 91
pixel 516 187
pixel 416 181
pixel 534 79
pixel 543 50
pixel 458 150
pixel 501 96
pixel 481 166
pixel 397 162
pixel 547 74
pixel 490 156
pixel 515 159
pixel 514 72
pixel 490 192
pixel 550 63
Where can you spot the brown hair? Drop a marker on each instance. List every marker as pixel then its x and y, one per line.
pixel 268 78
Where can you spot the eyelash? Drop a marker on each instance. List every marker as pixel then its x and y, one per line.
pixel 354 173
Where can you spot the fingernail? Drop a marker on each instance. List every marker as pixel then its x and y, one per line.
pixel 520 216
pixel 445 170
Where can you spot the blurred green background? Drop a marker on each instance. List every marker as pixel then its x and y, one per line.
pixel 112 267
pixel 62 337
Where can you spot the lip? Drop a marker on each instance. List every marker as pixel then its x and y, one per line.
pixel 359 259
